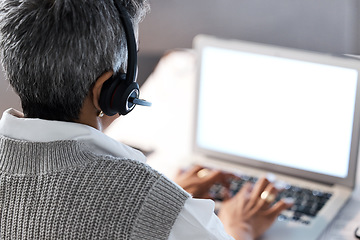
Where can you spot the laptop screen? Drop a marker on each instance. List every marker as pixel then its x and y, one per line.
pixel 283 110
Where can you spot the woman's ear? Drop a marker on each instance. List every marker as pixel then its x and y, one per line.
pixel 97 88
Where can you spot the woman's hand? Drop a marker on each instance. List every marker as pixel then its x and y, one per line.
pixel 249 213
pixel 198 180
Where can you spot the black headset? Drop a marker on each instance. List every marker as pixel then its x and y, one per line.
pixel 120 93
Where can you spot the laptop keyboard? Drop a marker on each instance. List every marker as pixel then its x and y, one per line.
pixel 307 202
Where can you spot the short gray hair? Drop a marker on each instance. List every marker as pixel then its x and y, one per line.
pixel 54 50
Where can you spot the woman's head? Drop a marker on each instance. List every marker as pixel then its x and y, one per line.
pixel 54 50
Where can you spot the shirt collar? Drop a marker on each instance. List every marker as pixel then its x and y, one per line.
pixel 14 125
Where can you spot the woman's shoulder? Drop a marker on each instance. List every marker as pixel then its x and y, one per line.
pixel 130 172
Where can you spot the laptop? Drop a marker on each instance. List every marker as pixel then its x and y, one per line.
pixel 286 114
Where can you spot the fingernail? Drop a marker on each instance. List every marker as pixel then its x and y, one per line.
pixel 288 200
pixel 271 177
pixel 280 185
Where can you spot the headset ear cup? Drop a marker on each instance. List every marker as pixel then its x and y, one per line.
pixel 107 93
pixel 122 97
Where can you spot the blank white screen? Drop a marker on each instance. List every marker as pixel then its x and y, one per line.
pixel 287 112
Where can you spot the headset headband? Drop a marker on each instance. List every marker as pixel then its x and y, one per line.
pixel 130 42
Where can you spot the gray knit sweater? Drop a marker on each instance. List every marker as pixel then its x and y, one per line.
pixel 61 190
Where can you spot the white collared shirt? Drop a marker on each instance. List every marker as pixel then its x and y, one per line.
pixel 195 221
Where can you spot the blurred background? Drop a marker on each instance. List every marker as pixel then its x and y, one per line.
pixel 330 26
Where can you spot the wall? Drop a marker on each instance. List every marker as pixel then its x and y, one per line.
pixel 321 25
pixel 7 96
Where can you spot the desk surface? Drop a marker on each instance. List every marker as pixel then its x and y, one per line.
pixel 166 128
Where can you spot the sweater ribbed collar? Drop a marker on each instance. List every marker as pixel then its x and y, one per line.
pixel 32 158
